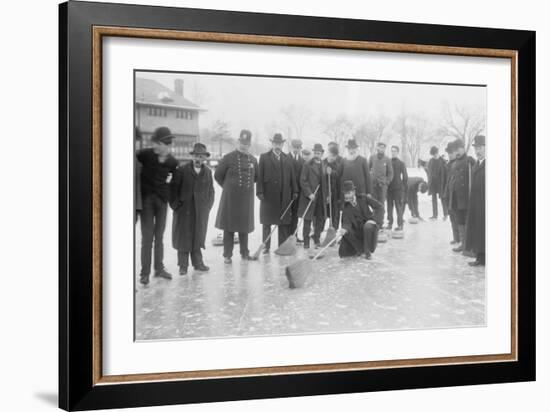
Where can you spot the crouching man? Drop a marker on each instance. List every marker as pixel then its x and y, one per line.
pixel 359 223
pixel 192 196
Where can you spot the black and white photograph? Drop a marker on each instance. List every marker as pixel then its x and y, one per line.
pixel 274 205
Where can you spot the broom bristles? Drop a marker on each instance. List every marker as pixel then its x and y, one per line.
pixel 331 234
pixel 287 248
pixel 297 273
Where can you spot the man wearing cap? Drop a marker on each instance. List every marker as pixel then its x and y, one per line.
pixel 475 223
pixel 397 189
pixel 382 174
pixel 236 174
pixel 276 188
pixel 334 167
pixel 158 165
pixel 355 168
pixel 436 181
pixel 451 152
pixel 459 189
pixel 359 224
pixel 297 161
pixel 192 197
pixel 313 176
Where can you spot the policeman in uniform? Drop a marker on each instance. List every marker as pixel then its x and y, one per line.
pixel 236 174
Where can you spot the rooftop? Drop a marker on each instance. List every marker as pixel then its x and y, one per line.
pixel 152 92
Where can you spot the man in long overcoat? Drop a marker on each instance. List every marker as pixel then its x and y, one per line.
pixel 313 176
pixel 355 168
pixel 436 181
pixel 333 165
pixel 276 188
pixel 192 197
pixel 236 174
pixel 459 189
pixel 451 152
pixel 475 224
pixel 297 161
pixel 359 224
pixel 397 189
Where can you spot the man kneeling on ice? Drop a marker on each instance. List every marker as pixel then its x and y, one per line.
pixel 359 223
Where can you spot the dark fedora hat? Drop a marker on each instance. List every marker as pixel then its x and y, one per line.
pixel 199 149
pixel 458 143
pixel 352 144
pixel 162 135
pixel 277 138
pixel 479 140
pixel 318 147
pixel 348 186
pixel 245 136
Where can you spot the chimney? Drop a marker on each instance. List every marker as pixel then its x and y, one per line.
pixel 178 87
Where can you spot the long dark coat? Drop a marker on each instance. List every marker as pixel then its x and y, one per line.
pixel 236 174
pixel 475 223
pixel 191 198
pixel 309 180
pixel 436 176
pixel 277 184
pixel 353 219
pixel 357 170
pixel 297 165
pixel 459 182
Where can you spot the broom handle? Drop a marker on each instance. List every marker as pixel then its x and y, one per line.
pixel 330 199
pixel 275 226
pixel 326 246
pixel 307 208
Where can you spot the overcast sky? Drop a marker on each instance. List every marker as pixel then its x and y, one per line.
pixel 255 102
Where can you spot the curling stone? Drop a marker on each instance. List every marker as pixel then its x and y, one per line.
pixel 413 220
pixel 397 234
pixel 218 240
pixel 382 236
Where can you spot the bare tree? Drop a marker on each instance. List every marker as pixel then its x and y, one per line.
pixel 297 119
pixel 461 122
pixel 370 132
pixel 413 131
pixel 339 130
pixel 219 132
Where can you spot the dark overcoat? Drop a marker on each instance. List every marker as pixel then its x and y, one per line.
pixel 398 183
pixel 357 170
pixel 236 174
pixel 310 178
pixel 459 182
pixel 446 188
pixel 297 165
pixel 353 219
pixel 191 198
pixel 475 222
pixel 436 176
pixel 277 183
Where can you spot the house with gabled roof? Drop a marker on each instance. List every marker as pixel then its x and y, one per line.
pixel 156 105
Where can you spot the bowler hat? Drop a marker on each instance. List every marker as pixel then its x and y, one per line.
pixel 348 186
pixel 245 136
pixel 479 140
pixel 458 143
pixel 199 149
pixel 162 135
pixel 278 138
pixel 318 147
pixel 296 143
pixel 352 144
pixel 450 147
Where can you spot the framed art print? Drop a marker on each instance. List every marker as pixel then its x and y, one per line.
pixel 259 205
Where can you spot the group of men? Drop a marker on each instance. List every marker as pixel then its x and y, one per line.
pixel 299 186
pixel 463 196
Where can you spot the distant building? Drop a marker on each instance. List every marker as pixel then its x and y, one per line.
pixel 157 105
